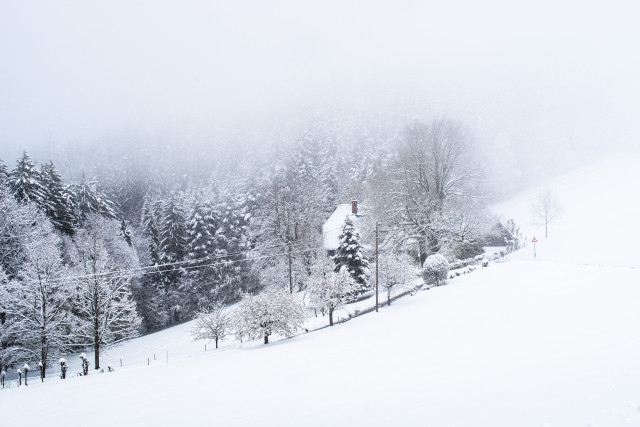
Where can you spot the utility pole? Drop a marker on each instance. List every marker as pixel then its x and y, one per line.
pixel 376 266
pixel 290 274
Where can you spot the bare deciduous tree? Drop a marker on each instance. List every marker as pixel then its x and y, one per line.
pixel 435 167
pixel 396 272
pixel 35 305
pixel 274 311
pixel 546 209
pixel 330 291
pixel 106 312
pixel 212 323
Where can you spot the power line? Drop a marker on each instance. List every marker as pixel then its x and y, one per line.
pixel 140 271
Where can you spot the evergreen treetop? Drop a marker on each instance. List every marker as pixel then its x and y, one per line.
pixel 26 181
pixel 58 205
pixel 350 255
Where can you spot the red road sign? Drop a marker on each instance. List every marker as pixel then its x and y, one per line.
pixel 534 240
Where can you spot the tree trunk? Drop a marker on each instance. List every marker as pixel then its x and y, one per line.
pixel 96 323
pixel 331 317
pixel 216 342
pixel 96 347
pixel 389 298
pixel 43 359
pixel 266 339
pixel 290 272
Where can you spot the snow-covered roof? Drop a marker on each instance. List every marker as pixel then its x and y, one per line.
pixel 332 227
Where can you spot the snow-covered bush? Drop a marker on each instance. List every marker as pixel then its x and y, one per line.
pixel 435 270
pixel 275 311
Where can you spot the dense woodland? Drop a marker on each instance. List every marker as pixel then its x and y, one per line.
pixel 127 241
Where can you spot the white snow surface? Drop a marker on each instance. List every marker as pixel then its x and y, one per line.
pixel 550 341
pixel 599 210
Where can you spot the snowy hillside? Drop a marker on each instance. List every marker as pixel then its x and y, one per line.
pixel 544 342
pixel 597 223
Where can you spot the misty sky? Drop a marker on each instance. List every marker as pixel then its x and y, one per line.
pixel 549 74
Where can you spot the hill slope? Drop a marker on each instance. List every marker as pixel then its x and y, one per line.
pixel 549 341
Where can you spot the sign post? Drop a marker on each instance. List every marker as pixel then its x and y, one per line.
pixel 534 241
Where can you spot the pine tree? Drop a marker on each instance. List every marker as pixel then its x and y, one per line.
pixel 201 278
pixel 57 199
pixel 26 181
pixel 231 240
pixel 150 300
pixel 150 219
pixel 89 199
pixel 4 174
pixel 173 232
pixel 200 241
pixel 173 241
pixel 151 293
pixel 350 255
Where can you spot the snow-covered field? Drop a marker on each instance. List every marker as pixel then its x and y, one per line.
pixel 550 341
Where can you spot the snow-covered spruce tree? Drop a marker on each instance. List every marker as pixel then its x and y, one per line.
pixel 36 306
pixel 26 181
pixel 173 248
pixel 201 277
pixel 395 271
pixel 151 216
pixel 435 270
pixel 329 292
pixel 58 206
pixel 19 224
pixel 106 312
pixel 89 199
pixel 232 244
pixel 173 232
pixel 200 232
pixel 4 174
pixel 275 311
pixel 150 293
pixel 350 256
pixel 212 323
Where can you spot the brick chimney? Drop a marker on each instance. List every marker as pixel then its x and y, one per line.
pixel 354 207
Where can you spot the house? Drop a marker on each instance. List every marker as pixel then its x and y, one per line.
pixel 333 226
